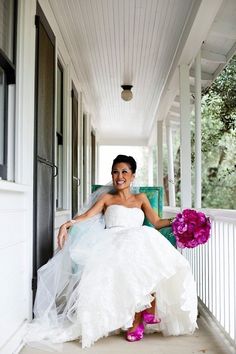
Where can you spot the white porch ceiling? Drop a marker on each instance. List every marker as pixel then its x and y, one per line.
pixel 142 42
pixel 115 42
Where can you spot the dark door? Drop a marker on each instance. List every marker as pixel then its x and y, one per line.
pixel 75 178
pixel 44 169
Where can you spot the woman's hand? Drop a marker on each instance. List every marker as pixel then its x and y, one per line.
pixel 62 236
pixel 95 209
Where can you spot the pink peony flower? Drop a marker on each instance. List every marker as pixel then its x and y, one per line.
pixel 191 228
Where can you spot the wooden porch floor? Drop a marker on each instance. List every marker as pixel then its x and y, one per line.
pixel 206 340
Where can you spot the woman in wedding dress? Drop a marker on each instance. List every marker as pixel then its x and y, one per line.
pixel 114 273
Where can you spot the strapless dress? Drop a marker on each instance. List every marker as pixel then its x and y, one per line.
pixel 103 282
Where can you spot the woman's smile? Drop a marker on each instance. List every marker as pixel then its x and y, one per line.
pixel 120 182
pixel 122 175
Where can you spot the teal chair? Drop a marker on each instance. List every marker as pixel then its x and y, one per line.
pixel 155 197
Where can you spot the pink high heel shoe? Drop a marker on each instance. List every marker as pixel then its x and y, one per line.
pixel 136 335
pixel 149 318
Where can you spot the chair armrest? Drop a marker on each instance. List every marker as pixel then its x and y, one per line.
pixel 168 234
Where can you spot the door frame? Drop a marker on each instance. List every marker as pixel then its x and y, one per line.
pixel 74 93
pixel 40 18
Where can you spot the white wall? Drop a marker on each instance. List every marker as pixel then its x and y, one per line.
pixel 16 206
pixel 15 216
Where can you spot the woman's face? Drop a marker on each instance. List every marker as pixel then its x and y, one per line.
pixel 122 175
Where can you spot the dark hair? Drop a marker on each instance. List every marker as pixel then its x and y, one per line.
pixel 126 159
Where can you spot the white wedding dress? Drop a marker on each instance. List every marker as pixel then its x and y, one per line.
pixel 109 275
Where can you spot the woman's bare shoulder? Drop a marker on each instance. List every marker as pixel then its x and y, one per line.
pixel 141 197
pixel 106 197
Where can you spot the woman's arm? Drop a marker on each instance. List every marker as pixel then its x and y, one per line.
pixel 94 210
pixel 151 215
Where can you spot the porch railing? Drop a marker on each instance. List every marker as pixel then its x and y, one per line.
pixel 214 269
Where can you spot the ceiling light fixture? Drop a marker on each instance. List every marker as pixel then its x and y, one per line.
pixel 126 94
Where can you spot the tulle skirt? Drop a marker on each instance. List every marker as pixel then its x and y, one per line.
pixel 95 285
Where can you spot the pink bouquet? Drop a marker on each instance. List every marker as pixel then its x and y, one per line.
pixel 191 228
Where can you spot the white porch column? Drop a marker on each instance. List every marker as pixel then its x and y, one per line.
pixel 198 157
pixel 160 153
pixel 185 137
pixel 171 175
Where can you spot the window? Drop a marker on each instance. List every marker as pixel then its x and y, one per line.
pixel 7 73
pixel 59 139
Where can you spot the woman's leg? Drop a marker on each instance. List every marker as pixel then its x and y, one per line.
pixel 138 318
pixel 149 315
pixel 136 322
pixel 152 309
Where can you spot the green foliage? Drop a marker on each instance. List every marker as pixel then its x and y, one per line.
pixel 219 141
pixel 223 90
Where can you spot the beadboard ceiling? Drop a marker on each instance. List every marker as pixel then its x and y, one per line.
pixel 115 42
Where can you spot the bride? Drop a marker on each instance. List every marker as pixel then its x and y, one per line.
pixel 113 273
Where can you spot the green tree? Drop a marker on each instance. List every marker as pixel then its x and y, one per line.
pixel 218 141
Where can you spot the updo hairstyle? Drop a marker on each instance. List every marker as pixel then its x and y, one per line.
pixel 126 159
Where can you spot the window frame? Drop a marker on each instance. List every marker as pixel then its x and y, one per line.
pixel 60 141
pixel 9 68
